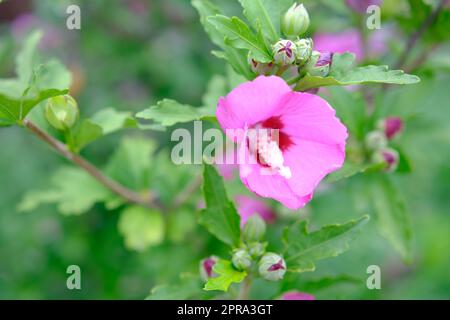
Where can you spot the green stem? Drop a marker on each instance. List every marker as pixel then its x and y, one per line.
pixel 127 194
pixel 293 80
pixel 245 288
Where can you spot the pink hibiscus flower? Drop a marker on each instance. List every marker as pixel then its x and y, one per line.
pixel 309 144
pixel 247 207
pixel 295 295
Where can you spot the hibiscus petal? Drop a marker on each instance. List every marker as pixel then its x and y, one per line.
pixel 272 186
pixel 269 185
pixel 251 102
pixel 310 162
pixel 309 117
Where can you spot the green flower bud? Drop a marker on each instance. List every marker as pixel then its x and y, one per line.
pixel 257 249
pixel 296 21
pixel 254 228
pixel 61 112
pixel 241 259
pixel 284 52
pixel 375 140
pixel 272 267
pixel 304 50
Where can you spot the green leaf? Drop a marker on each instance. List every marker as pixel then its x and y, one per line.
pixel 239 35
pixel 314 285
pixel 206 9
pixel 350 108
pixel 351 169
pixel 220 216
pixel 342 74
pixel 237 58
pixel 84 134
pixel 180 223
pixel 217 87
pixel 104 122
pixel 26 59
pixel 141 227
pixel 187 288
pixel 168 112
pixel 391 216
pixel 266 14
pixel 131 163
pixel 404 162
pixel 226 276
pixel 72 189
pixel 111 120
pixel 303 248
pixel 34 83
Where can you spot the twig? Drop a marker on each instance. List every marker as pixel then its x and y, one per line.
pixel 421 59
pixel 125 193
pixel 428 22
pixel 186 193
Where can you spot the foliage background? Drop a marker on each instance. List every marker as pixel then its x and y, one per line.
pixel 130 59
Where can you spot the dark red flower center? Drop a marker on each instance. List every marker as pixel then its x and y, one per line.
pixel 284 141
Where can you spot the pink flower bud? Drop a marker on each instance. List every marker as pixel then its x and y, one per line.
pixel 206 267
pixel 323 63
pixel 391 126
pixel 388 156
pixel 391 158
pixel 324 59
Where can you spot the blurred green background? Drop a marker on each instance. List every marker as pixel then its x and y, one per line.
pixel 128 55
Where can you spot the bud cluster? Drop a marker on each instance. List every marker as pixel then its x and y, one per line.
pixel 377 142
pixel 252 255
pixel 293 50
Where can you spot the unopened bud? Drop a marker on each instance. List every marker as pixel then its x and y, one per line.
pixel 296 21
pixel 272 267
pixel 241 259
pixel 391 126
pixel 261 68
pixel 206 267
pixel 254 228
pixel 389 156
pixel 304 50
pixel 257 249
pixel 375 140
pixel 61 112
pixel 322 65
pixel 284 52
